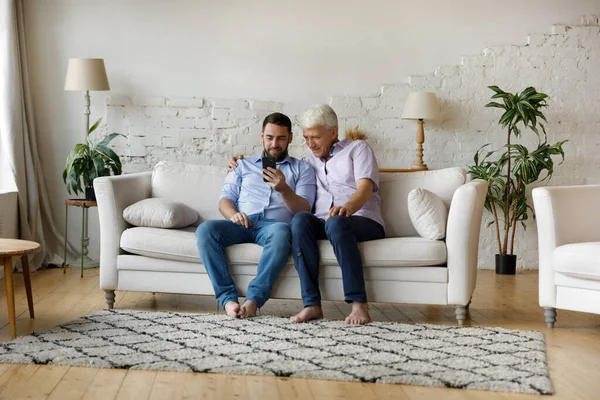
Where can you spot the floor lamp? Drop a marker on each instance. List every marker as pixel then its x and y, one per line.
pixel 85 74
pixel 420 106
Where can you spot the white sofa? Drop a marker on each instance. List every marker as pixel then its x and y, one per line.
pixel 569 246
pixel 402 268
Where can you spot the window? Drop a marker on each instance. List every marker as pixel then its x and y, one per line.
pixel 7 182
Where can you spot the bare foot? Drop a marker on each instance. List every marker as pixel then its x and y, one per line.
pixel 359 315
pixel 248 310
pixel 309 313
pixel 232 309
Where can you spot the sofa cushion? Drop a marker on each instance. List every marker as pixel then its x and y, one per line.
pixel 393 252
pixel 180 245
pixel 428 213
pixel 197 186
pixel 580 260
pixel 395 186
pixel 133 262
pixel 160 213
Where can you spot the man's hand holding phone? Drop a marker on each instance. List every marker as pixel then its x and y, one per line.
pixel 268 162
pixel 272 176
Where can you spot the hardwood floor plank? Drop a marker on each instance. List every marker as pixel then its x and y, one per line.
pixel 259 389
pixel 4 368
pixel 294 389
pixel 136 385
pixel 289 307
pixel 200 387
pixel 391 313
pixel 41 383
pixel 231 386
pixel 15 376
pixel 168 385
pixel 74 384
pixel 331 311
pixel 194 303
pixel 105 385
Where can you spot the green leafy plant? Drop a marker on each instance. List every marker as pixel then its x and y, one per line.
pixel 89 160
pixel 516 166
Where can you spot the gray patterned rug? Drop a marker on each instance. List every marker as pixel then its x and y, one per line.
pixel 385 352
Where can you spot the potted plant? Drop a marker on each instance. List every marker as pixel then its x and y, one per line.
pixel 88 161
pixel 515 167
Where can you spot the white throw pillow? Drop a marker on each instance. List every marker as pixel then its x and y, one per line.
pixel 160 213
pixel 427 213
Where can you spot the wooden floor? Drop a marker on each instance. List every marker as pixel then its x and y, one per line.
pixel 506 301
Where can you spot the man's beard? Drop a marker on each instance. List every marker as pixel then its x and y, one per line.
pixel 279 158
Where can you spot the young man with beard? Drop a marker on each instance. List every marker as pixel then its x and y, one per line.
pixel 258 205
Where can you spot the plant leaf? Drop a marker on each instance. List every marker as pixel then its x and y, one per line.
pixel 93 128
pixel 108 139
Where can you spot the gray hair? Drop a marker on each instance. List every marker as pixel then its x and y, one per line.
pixel 319 116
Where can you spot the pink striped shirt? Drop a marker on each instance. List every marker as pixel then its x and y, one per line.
pixel 336 179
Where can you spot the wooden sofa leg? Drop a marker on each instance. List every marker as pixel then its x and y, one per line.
pixel 461 314
pixel 109 295
pixel 550 316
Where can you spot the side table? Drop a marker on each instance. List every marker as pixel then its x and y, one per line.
pixel 85 240
pixel 8 249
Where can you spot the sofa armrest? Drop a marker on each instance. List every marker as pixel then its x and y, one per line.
pixel 462 240
pixel 564 215
pixel 113 195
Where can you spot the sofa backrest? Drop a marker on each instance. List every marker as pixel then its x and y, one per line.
pixel 197 186
pixel 395 186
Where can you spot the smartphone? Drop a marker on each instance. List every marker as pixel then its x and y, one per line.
pixel 268 162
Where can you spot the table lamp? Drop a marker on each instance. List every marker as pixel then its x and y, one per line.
pixel 86 74
pixel 420 106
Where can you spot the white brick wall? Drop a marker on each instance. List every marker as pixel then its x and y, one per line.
pixel 563 63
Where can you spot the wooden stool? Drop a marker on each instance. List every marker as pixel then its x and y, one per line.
pixel 8 249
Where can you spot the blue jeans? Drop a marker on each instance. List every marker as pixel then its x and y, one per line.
pixel 343 233
pixel 213 236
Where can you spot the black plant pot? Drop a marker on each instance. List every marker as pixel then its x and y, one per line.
pixel 90 194
pixel 506 265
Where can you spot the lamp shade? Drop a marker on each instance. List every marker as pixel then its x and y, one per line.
pixel 421 105
pixel 86 74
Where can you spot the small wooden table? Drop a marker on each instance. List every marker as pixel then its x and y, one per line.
pixel 85 240
pixel 8 249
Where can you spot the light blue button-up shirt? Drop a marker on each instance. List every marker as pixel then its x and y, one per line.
pixel 245 187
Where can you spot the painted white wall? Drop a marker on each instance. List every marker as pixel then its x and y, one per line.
pixel 284 51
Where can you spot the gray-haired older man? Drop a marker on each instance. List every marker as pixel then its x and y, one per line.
pixel 347 211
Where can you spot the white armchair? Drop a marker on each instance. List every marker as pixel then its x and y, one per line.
pixel 568 223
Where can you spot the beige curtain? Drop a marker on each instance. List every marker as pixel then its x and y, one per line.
pixel 18 138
